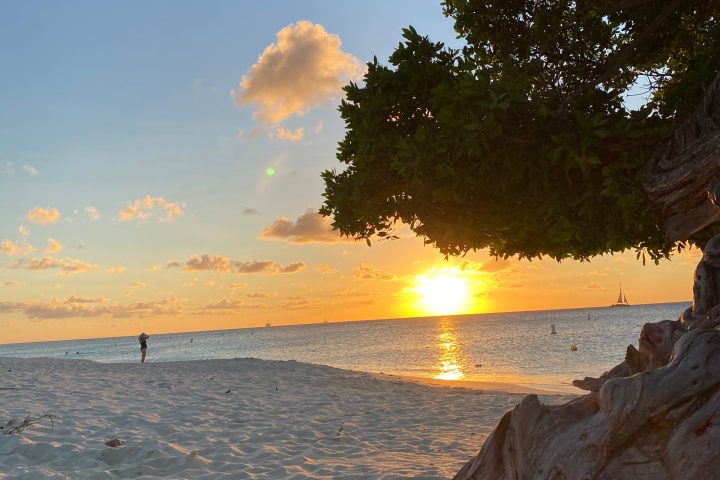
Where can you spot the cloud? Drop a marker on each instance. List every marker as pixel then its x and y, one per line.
pixel 220 264
pixel 155 267
pixel 8 247
pixel 300 302
pixel 67 266
pixel 23 231
pixel 325 268
pixel 12 283
pixel 30 170
pixel 8 169
pixel 366 271
pixel 224 304
pixel 53 246
pixel 92 212
pixel 134 286
pixel 117 269
pixel 303 69
pixel 591 286
pixel 260 294
pixel 78 307
pixel 215 263
pixel 145 208
pixel 290 135
pixel 249 211
pixel 43 216
pixel 310 227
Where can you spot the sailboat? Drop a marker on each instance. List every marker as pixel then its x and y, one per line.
pixel 621 300
pixel 267 324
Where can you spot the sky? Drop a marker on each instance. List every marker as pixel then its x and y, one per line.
pixel 160 171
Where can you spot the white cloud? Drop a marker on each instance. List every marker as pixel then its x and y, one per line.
pixel 290 135
pixel 145 208
pixel 30 170
pixel 117 269
pixel 8 247
pixel 43 216
pixel 53 246
pixel 23 231
pixel 303 69
pixel 92 212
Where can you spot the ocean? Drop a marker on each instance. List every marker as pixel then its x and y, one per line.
pixel 513 347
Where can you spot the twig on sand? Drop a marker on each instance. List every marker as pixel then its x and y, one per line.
pixel 17 427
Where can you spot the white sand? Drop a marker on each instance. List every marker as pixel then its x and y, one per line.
pixel 280 420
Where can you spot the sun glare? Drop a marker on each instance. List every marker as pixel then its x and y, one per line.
pixel 442 292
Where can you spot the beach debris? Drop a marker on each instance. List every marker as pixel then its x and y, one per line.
pixel 478 365
pixel 573 347
pixel 553 330
pixel 228 391
pixel 115 442
pixel 15 426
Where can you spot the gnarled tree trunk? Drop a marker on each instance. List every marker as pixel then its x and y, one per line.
pixel 657 414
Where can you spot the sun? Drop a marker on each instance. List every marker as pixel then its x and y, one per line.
pixel 442 292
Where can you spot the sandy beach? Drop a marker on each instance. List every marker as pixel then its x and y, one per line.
pixel 243 418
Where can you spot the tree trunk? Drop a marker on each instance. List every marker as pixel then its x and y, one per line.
pixel 657 414
pixel 682 177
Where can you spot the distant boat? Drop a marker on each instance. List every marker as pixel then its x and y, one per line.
pixel 621 300
pixel 267 324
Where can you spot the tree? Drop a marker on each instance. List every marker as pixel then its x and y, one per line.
pixel 521 141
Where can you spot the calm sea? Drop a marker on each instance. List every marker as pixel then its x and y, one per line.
pixel 500 347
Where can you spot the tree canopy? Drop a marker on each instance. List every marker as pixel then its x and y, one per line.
pixel 521 141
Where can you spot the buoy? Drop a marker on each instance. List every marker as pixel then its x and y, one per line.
pixel 573 347
pixel 552 329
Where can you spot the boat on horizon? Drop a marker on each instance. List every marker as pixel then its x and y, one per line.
pixel 621 300
pixel 267 324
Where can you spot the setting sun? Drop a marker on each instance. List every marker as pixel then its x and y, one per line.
pixel 442 292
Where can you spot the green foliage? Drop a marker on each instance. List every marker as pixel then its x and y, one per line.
pixel 520 141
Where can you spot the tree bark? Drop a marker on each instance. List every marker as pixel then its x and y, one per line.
pixel 682 177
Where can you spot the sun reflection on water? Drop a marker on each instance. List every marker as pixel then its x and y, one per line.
pixel 450 355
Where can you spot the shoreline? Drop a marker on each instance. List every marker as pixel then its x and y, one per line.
pixel 501 387
pixel 216 419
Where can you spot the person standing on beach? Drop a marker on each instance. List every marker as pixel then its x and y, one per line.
pixel 143 346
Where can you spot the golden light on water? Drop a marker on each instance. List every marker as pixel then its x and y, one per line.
pixel 450 356
pixel 442 292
